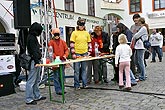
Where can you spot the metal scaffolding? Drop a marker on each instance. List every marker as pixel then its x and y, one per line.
pixel 47 12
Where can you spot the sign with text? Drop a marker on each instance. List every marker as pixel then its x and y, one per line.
pixel 7 63
pixel 156 15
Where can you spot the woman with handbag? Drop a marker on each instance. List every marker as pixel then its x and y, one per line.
pixel 139 48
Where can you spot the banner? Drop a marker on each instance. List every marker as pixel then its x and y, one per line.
pixel 7 64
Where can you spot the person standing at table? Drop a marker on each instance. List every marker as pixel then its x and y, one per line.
pixel 60 49
pixel 122 56
pixel 33 48
pixel 93 64
pixel 103 41
pixel 80 45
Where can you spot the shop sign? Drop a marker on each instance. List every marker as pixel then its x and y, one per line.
pixel 156 15
pixel 90 20
pixel 64 15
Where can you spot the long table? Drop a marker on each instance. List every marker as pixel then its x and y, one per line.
pixel 67 62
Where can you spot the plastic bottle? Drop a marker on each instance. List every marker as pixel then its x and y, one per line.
pixel 110 50
pixel 51 53
pixel 96 50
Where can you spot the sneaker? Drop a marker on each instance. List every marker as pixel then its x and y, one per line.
pixel 85 87
pixel 42 98
pixel 77 88
pixel 96 82
pixel 127 89
pixel 133 84
pixel 141 79
pixel 137 80
pixel 113 79
pixel 121 87
pixel 32 103
pixel 146 76
pixel 153 61
pixel 105 81
pixel 60 93
pixel 89 82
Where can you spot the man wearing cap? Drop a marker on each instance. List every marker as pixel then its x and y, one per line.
pixel 60 49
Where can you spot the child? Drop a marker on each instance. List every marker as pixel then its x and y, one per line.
pixel 60 49
pixel 122 55
pixel 93 64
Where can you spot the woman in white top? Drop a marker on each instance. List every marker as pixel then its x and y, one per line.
pixel 122 55
pixel 139 37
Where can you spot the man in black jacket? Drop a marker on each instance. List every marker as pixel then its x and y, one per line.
pixel 33 47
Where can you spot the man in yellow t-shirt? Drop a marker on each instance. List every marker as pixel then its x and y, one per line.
pixel 81 40
pixel 80 46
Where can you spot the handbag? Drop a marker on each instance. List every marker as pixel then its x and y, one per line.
pixel 147 54
pixel 25 61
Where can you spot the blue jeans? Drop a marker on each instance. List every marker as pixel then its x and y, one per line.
pixel 77 66
pixel 139 60
pixel 156 49
pixel 133 80
pixel 32 84
pixel 161 52
pixel 57 81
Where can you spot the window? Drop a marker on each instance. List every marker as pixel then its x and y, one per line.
pixel 49 3
pixel 69 5
pixel 159 4
pixel 91 8
pixel 135 6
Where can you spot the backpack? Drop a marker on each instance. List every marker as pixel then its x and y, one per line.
pixel 147 44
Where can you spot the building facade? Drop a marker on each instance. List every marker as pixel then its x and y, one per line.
pixel 96 12
pixel 106 13
pixel 152 10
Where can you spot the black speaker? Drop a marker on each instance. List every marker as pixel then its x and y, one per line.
pixel 6 85
pixel 22 14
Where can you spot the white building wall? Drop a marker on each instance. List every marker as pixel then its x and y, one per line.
pixel 6 19
pixel 154 22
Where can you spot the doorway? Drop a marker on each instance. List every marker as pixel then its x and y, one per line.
pixel 2 29
pixel 69 31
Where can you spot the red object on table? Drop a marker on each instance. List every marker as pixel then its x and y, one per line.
pixel 47 61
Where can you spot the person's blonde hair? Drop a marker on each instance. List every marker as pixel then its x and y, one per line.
pixel 122 39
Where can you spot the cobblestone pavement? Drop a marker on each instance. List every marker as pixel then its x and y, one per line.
pixel 147 95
